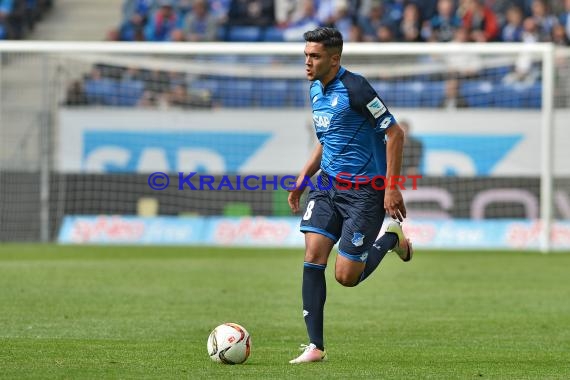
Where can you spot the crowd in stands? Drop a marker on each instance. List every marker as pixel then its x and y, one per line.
pixel 516 85
pixel 19 17
pixel 358 20
pixel 109 85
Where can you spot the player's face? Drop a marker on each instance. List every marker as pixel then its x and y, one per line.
pixel 320 64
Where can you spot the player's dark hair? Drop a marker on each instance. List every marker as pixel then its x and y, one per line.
pixel 331 38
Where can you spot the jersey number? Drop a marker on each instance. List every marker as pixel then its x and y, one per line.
pixel 309 211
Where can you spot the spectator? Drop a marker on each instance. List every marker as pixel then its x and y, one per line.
pixel 513 29
pixel 135 15
pixel 453 99
pixel 530 31
pixel 565 18
pixel 219 9
pixel 412 153
pixel 200 25
pixel 184 8
pixel 427 8
pixel 151 99
pixel 162 23
pixel 501 7
pixel 480 21
pixel 100 90
pixel 559 36
pixel 131 73
pixel 75 95
pixel 464 65
pixel 179 96
pixel 326 12
pixel 306 21
pixel 442 26
pixel 524 73
pixel 343 19
pixel 287 12
pixel 411 24
pixel 543 20
pixel 156 81
pixel 252 12
pixel 372 21
pixel 385 34
pixel 6 26
pixel 395 10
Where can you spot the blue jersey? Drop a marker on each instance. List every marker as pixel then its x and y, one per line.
pixel 350 120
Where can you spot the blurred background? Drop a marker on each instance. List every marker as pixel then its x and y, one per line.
pixel 96 96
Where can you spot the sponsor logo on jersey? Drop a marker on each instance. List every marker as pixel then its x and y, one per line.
pixel 321 120
pixel 376 107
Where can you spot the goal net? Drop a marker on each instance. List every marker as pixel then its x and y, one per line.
pixel 151 143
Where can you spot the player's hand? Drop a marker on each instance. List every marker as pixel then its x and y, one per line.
pixel 295 194
pixel 394 204
pixel 294 198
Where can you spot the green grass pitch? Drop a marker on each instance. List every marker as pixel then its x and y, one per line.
pixel 146 312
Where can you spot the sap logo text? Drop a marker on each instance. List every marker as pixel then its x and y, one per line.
pixel 132 152
pixel 321 120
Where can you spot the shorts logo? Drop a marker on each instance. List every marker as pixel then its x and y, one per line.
pixel 357 239
pixel 364 256
pixel 376 107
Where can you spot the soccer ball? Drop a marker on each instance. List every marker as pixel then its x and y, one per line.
pixel 229 343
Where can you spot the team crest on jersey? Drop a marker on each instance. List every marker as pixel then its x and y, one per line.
pixel 376 107
pixel 334 101
pixel 357 239
pixel 321 120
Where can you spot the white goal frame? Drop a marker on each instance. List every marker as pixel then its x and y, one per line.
pixel 545 50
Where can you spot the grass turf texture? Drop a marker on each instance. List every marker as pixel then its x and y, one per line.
pixel 146 312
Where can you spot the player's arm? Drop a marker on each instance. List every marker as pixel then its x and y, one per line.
pixel 369 104
pixel 309 170
pixel 393 200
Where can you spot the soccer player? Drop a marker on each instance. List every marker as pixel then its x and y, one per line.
pixel 358 138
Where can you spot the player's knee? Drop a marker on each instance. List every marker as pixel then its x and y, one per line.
pixel 315 257
pixel 316 254
pixel 345 279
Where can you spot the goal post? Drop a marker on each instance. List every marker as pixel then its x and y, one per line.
pixel 83 125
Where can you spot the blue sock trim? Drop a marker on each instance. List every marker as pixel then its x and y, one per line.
pixel 315 266
pixel 358 258
pixel 319 231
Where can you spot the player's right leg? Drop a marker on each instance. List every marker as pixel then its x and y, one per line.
pixel 321 225
pixel 318 248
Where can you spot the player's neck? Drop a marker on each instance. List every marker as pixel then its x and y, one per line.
pixel 330 76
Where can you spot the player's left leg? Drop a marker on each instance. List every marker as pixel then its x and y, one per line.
pixel 363 214
pixel 347 271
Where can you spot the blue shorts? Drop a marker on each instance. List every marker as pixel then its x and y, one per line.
pixel 354 216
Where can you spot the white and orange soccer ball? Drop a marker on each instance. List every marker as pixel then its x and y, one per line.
pixel 229 343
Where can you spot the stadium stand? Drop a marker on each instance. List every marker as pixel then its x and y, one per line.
pixel 523 21
pixel 19 17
